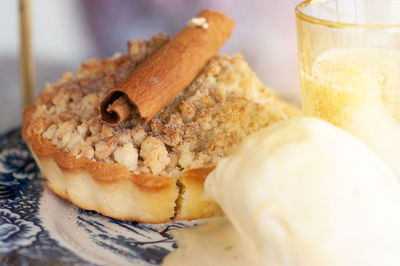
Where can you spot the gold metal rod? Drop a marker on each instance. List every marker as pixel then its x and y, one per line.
pixel 27 72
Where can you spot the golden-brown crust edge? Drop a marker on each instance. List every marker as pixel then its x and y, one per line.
pixel 66 197
pixel 122 200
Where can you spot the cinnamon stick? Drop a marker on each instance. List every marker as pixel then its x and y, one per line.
pixel 151 86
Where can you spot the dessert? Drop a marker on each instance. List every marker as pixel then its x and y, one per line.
pixel 145 172
pixel 300 192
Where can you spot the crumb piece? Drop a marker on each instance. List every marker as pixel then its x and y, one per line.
pixel 124 137
pixel 127 156
pixel 64 133
pixel 186 159
pixel 106 131
pixel 67 76
pixel 94 128
pixel 198 22
pixel 138 135
pixel 83 149
pixel 74 141
pixel 82 130
pixel 50 132
pixel 188 111
pixel 104 148
pixel 154 154
pixel 66 115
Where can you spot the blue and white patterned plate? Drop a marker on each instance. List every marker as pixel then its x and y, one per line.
pixel 37 227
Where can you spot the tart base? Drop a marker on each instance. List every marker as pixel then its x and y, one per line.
pixel 121 199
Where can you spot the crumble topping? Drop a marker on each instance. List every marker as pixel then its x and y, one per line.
pixel 205 122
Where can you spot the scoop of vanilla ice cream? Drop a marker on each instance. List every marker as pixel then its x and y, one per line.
pixel 305 192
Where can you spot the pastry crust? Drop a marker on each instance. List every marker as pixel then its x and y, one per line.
pixel 104 187
pixel 151 173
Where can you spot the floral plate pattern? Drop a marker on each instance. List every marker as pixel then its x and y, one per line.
pixel 37 227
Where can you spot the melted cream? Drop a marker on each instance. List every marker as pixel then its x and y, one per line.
pixel 214 242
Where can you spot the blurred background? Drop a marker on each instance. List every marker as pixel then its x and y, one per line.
pixel 67 32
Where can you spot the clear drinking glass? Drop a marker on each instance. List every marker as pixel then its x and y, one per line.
pixel 349 54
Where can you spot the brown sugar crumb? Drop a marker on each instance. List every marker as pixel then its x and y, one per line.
pixel 205 122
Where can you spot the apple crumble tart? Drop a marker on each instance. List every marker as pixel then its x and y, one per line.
pixel 153 172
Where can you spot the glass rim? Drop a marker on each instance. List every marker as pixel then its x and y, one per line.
pixel 334 24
